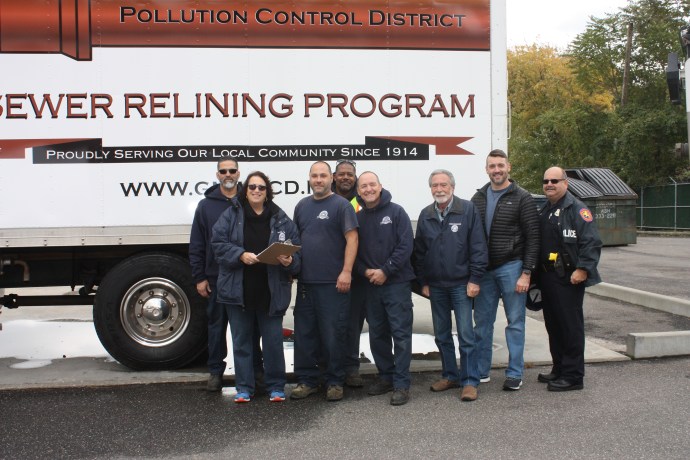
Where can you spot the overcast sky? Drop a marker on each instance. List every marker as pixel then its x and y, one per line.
pixel 553 22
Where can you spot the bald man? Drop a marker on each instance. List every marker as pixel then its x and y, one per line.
pixel 570 250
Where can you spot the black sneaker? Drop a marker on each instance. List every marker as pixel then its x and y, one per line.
pixel 380 387
pixel 512 384
pixel 400 396
pixel 215 382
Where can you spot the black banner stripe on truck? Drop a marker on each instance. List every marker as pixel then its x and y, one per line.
pixel 374 148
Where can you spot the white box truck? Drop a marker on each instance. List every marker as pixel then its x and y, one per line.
pixel 113 114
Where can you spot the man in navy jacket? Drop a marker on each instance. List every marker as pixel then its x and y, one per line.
pixel 568 260
pixel 217 199
pixel 450 258
pixel 383 258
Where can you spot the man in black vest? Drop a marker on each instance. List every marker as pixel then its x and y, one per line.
pixel 509 215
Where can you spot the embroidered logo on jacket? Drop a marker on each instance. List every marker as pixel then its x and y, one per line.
pixel 569 233
pixel 386 220
pixel 586 215
pixel 455 227
pixel 323 215
pixel 281 236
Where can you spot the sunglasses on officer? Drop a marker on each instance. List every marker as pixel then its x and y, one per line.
pixel 223 172
pixel 551 181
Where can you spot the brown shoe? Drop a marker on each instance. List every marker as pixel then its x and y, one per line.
pixel 469 393
pixel 443 385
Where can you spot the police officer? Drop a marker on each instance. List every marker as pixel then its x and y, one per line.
pixel 569 256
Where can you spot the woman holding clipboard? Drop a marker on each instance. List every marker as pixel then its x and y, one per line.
pixel 255 293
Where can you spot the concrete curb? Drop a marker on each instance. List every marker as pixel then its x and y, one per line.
pixel 643 298
pixel 658 344
pixel 650 344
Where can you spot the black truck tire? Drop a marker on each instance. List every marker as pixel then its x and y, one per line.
pixel 148 315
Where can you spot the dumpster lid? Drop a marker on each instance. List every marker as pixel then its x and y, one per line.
pixel 603 179
pixel 582 189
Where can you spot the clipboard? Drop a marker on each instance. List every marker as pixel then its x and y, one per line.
pixel 270 254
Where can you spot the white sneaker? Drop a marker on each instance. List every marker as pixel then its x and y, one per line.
pixel 485 379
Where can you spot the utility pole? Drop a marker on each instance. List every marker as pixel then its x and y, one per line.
pixel 626 67
pixel 685 40
pixel 676 80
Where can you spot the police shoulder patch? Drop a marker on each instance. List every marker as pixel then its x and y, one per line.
pixel 586 215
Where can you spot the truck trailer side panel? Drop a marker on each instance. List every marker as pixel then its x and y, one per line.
pixel 113 114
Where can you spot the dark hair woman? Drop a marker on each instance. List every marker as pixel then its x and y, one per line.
pixel 255 293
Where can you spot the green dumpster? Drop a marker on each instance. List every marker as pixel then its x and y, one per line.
pixel 611 201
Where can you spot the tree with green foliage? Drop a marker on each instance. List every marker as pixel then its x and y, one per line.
pixel 567 107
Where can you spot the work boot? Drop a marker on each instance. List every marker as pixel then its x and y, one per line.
pixel 380 387
pixel 303 390
pixel 400 396
pixel 354 380
pixel 215 382
pixel 334 393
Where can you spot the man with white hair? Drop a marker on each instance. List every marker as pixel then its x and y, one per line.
pixel 450 258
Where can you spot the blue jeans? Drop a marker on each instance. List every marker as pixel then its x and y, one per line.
pixel 217 337
pixel 500 283
pixel 389 313
pixel 443 302
pixel 243 322
pixel 321 314
pixel 217 328
pixel 358 313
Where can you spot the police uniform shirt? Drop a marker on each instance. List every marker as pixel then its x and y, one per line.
pixel 550 234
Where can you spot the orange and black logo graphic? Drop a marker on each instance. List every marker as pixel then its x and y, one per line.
pixel 74 27
pixel 586 215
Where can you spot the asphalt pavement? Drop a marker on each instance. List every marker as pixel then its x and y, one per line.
pixel 632 409
pixel 92 407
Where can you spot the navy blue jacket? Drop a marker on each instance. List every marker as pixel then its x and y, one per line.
pixel 385 240
pixel 209 209
pixel 451 253
pixel 579 236
pixel 227 243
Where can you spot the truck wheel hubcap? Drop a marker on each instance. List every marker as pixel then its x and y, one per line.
pixel 155 312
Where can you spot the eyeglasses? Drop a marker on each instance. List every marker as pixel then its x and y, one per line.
pixel 345 160
pixel 223 172
pixel 262 188
pixel 551 181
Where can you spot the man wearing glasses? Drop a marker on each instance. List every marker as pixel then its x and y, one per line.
pixel 568 260
pixel 217 199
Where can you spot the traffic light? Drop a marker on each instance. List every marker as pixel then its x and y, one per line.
pixel 673 78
